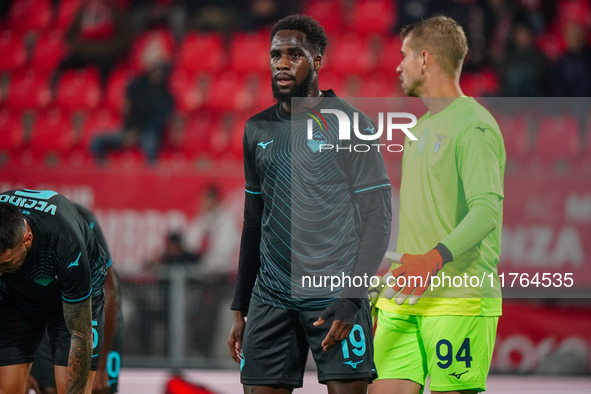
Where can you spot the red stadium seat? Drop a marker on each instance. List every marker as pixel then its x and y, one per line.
pixel 480 84
pixel 349 54
pixel 222 94
pixel 574 11
pixel 196 134
pixel 49 51
pixel 378 84
pixel 66 11
pixel 551 44
pixel 263 96
pixel 79 90
pixel 13 52
pixel 389 54
pixel 557 138
pixel 28 15
pixel 200 53
pixel 152 45
pixel 370 17
pixel 226 141
pixel 11 129
pixel 28 90
pixel 116 87
pixel 515 130
pixel 328 80
pixel 52 135
pixel 327 12
pixel 101 121
pixel 249 53
pixel 189 90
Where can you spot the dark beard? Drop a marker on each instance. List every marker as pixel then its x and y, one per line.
pixel 298 90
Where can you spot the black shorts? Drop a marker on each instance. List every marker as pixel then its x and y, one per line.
pixel 276 343
pixel 43 371
pixel 22 329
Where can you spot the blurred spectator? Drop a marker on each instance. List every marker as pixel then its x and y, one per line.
pixel 470 15
pixel 217 234
pixel 99 35
pixel 572 72
pixel 212 15
pixel 499 18
pixel 411 11
pixel 147 109
pixel 523 71
pixel 537 14
pixel 262 14
pixel 174 252
pixel 159 14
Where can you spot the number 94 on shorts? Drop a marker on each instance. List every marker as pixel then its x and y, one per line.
pixel 455 351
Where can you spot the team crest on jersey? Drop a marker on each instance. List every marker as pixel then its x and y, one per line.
pixel 315 143
pixel 440 138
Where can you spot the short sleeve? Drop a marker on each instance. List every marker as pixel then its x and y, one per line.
pixel 74 274
pixel 480 157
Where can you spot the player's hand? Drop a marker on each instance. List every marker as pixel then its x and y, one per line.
pixel 33 385
pixel 415 274
pixel 100 384
pixel 344 311
pixel 236 335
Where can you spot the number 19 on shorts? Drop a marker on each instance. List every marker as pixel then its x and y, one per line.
pixel 353 345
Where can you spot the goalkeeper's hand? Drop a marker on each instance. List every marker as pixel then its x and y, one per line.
pixel 415 274
pixel 373 295
pixel 344 311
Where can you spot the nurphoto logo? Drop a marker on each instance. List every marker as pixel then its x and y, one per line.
pixel 368 134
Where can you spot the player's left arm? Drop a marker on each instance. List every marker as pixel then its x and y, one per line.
pixel 78 317
pixel 480 158
pixel 76 289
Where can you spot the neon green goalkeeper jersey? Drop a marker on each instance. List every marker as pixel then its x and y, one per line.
pixel 458 156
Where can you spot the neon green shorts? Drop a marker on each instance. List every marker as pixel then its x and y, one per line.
pixel 455 351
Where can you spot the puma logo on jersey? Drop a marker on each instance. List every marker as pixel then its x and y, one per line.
pixel 264 144
pixel 75 263
pixel 457 375
pixel 352 364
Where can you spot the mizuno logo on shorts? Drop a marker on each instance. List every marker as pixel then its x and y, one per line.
pixel 351 363
pixel 457 375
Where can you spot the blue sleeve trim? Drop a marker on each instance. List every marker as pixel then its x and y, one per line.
pixel 248 191
pixel 373 187
pixel 109 263
pixel 79 299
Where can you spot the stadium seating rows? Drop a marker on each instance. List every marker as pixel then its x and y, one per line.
pixel 216 92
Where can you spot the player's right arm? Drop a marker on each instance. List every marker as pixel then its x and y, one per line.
pixel 250 254
pixel 78 317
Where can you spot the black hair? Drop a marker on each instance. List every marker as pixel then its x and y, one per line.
pixel 314 32
pixel 12 226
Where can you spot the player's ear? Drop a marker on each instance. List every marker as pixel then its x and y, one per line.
pixel 425 59
pixel 317 62
pixel 28 239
